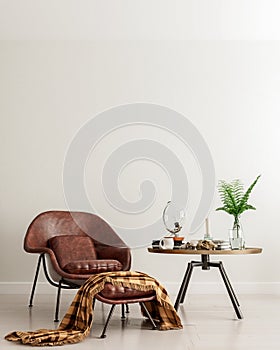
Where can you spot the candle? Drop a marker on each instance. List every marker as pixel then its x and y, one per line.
pixel 207 226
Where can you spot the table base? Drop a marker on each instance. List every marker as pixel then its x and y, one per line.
pixel 205 264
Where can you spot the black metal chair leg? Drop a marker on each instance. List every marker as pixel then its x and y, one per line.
pixel 127 308
pixel 230 292
pixel 148 314
pixel 57 301
pixel 123 314
pixel 35 280
pixel 103 335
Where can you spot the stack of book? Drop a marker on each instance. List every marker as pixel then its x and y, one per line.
pixel 221 244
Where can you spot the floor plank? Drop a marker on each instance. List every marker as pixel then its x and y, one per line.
pixel 209 324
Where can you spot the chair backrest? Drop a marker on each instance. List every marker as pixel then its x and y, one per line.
pixel 54 223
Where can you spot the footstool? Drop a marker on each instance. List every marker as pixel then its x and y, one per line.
pixel 117 295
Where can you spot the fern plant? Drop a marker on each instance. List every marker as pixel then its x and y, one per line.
pixel 234 199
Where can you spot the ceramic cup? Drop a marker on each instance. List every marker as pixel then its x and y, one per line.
pixel 167 243
pixel 155 243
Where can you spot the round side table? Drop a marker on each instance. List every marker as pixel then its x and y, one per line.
pixel 206 264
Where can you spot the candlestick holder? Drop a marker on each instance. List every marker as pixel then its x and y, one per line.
pixel 207 235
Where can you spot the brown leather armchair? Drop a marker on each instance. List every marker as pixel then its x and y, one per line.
pixel 72 247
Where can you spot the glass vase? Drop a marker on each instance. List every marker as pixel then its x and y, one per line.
pixel 236 235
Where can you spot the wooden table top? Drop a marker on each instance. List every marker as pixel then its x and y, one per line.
pixel 207 252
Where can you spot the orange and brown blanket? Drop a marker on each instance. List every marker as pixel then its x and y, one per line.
pixel 77 322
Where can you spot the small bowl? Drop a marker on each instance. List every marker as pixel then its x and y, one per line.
pixel 178 239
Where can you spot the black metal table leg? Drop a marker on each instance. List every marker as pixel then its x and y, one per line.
pixel 221 267
pixel 185 283
pixel 183 286
pixel 219 264
pixel 193 264
pixel 231 293
pixel 205 264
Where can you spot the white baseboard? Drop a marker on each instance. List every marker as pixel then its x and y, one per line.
pixel 171 287
pixel 25 288
pixel 219 288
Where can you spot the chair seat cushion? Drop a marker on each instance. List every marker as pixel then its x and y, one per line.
pixel 86 267
pixel 117 292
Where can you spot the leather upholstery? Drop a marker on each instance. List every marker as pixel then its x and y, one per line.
pixel 107 244
pixel 123 294
pixel 72 248
pixel 92 266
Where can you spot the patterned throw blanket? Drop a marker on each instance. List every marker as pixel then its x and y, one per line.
pixel 77 322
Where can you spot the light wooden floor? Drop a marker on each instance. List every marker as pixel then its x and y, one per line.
pixel 209 324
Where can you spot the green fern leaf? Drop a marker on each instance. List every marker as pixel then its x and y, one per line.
pixel 233 198
pixel 245 198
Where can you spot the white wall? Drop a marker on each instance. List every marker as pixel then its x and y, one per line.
pixel 229 89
